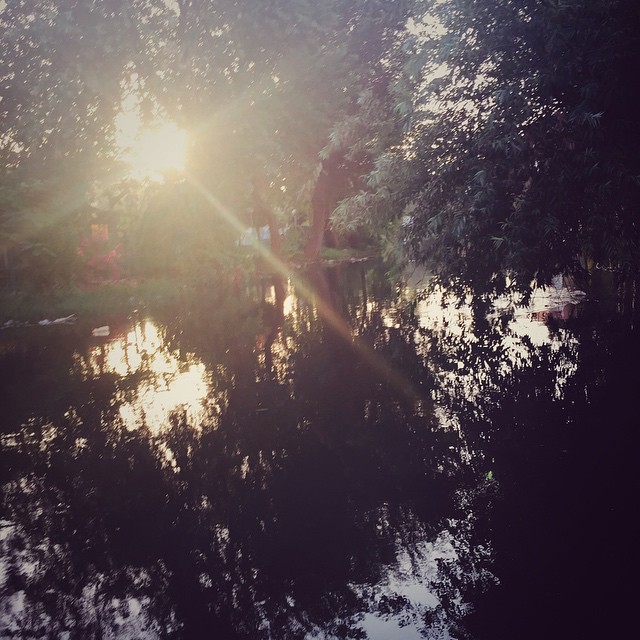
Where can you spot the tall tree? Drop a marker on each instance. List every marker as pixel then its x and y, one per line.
pixel 359 132
pixel 519 159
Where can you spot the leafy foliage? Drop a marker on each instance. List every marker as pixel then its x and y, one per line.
pixel 516 159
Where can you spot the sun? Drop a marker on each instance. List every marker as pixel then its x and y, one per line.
pixel 158 150
pixel 152 151
pixel 149 149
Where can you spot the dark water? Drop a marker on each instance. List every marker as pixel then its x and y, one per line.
pixel 342 464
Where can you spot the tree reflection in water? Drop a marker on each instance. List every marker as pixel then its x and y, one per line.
pixel 299 492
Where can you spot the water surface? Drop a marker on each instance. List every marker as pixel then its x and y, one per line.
pixel 326 459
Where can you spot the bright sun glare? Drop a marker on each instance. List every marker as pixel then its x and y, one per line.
pixel 151 151
pixel 159 149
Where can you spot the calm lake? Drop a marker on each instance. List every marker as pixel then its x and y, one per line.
pixel 323 457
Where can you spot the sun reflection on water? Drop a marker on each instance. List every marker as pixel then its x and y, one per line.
pixel 168 382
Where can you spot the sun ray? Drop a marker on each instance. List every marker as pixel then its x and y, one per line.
pixel 382 366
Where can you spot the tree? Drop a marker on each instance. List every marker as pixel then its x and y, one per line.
pixel 516 161
pixel 360 131
pixel 63 64
pixel 256 85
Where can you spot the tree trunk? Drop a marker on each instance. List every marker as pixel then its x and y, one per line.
pixel 339 178
pixel 329 190
pixel 321 211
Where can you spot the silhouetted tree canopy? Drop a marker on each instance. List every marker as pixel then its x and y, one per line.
pixel 520 153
